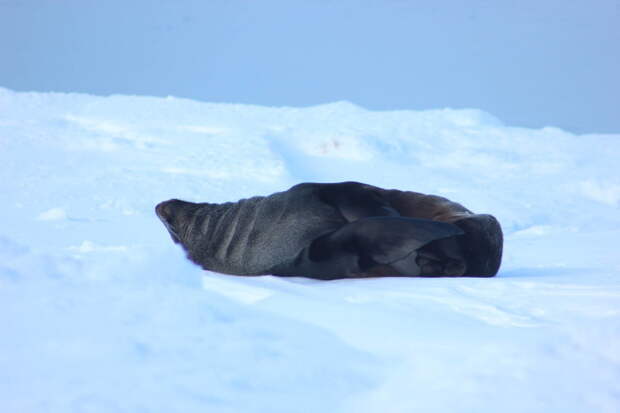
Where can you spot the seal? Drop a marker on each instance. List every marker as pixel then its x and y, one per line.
pixel 336 230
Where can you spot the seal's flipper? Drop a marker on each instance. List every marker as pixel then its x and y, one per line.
pixel 442 258
pixel 359 246
pixel 389 239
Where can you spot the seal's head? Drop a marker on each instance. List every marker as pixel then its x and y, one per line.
pixel 176 216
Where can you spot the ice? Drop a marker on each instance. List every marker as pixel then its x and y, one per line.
pixel 101 312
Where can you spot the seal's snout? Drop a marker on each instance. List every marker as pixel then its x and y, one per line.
pixel 166 212
pixel 163 210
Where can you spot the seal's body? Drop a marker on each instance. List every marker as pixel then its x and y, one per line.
pixel 340 230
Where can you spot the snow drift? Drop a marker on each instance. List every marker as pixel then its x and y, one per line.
pixel 100 312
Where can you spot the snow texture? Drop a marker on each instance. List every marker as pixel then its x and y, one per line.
pixel 101 312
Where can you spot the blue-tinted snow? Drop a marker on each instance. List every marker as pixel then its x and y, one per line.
pixel 101 312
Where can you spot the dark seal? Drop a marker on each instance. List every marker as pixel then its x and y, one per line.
pixel 337 230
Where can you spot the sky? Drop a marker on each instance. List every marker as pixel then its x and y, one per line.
pixel 529 63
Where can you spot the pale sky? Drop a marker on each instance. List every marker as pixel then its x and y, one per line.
pixel 529 63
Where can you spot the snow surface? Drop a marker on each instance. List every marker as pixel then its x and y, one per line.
pixel 101 312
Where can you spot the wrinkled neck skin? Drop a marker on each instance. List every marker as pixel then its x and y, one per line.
pixel 178 217
pixel 200 228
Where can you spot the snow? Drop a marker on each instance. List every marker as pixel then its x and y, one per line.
pixel 101 312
